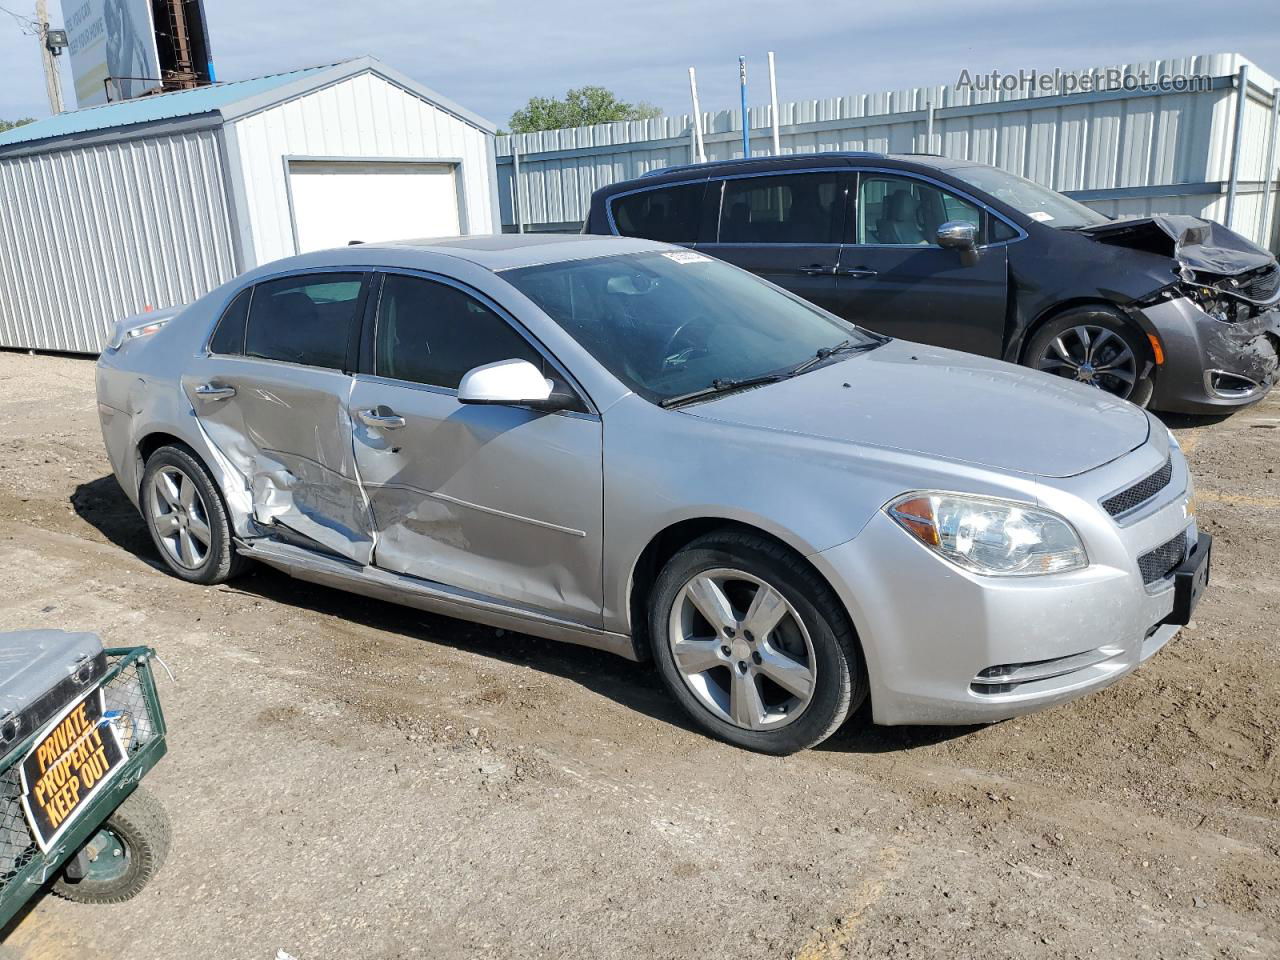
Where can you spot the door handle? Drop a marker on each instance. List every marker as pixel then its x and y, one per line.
pixel 214 391
pixel 859 273
pixel 818 270
pixel 381 417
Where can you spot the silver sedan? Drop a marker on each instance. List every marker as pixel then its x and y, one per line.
pixel 632 446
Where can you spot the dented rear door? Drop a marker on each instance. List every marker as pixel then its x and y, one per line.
pixel 275 403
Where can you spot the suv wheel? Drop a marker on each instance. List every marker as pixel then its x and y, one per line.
pixel 753 644
pixel 1094 346
pixel 187 518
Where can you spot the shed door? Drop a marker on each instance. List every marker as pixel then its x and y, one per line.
pixel 337 201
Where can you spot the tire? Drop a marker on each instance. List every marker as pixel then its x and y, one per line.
pixel 811 646
pixel 141 831
pixel 189 515
pixel 1111 338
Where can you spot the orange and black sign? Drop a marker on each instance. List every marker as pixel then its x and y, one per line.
pixel 67 767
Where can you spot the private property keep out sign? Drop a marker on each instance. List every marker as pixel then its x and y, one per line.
pixel 68 766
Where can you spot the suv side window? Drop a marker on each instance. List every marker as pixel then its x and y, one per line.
pixel 433 333
pixel 228 339
pixel 669 214
pixel 306 319
pixel 903 211
pixel 785 208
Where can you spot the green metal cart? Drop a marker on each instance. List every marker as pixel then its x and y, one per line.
pixel 80 726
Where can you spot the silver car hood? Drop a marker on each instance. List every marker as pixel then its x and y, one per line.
pixel 943 403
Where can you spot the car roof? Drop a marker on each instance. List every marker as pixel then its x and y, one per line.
pixel 781 162
pixel 828 157
pixel 494 252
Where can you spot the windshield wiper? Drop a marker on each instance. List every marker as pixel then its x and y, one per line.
pixel 722 385
pixel 844 346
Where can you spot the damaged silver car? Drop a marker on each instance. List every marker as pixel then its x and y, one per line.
pixel 639 448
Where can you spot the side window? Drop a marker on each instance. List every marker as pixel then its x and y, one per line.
pixel 433 333
pixel 669 214
pixel 1001 231
pixel 791 208
pixel 902 211
pixel 228 339
pixel 305 319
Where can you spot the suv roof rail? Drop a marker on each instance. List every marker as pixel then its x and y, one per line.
pixel 679 167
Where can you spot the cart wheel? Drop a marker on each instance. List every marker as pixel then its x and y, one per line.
pixel 125 853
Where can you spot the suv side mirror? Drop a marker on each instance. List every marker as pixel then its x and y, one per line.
pixel 513 383
pixel 960 235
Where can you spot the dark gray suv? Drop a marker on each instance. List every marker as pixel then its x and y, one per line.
pixel 1171 311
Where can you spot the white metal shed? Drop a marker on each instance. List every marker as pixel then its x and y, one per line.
pixel 153 202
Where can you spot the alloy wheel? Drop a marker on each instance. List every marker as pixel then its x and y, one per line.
pixel 180 517
pixel 742 649
pixel 1093 355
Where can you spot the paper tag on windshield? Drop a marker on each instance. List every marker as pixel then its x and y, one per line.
pixel 1040 215
pixel 686 256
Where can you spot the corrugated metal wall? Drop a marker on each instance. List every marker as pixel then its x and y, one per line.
pixel 363 117
pixel 1112 147
pixel 91 234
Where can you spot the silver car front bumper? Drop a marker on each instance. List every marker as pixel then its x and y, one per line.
pixel 946 646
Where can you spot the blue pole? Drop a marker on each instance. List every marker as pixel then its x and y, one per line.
pixel 742 80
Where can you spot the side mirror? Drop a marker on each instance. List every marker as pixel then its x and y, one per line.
pixel 513 383
pixel 962 236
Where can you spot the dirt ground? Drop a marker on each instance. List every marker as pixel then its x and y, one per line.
pixel 350 779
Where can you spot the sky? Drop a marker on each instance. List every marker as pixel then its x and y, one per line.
pixel 491 56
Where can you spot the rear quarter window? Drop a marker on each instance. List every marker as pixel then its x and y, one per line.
pixel 669 214
pixel 228 339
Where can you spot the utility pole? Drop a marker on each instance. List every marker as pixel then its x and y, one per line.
pixel 52 78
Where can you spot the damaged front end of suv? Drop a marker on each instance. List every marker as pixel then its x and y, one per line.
pixel 1217 322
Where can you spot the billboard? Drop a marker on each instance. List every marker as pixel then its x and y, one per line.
pixel 112 44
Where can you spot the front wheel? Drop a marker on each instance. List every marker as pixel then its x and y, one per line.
pixel 123 854
pixel 753 644
pixel 1096 347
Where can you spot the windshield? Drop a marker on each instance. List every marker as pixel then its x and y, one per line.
pixel 670 323
pixel 1039 203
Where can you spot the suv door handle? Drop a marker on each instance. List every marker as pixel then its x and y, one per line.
pixel 818 270
pixel 383 418
pixel 859 273
pixel 214 391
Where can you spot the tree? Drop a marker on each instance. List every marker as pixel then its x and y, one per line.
pixel 10 124
pixel 579 108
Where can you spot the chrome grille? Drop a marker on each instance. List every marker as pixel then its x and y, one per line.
pixel 1159 563
pixel 1140 492
pixel 1263 284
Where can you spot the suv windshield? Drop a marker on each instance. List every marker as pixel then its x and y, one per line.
pixel 1039 203
pixel 671 323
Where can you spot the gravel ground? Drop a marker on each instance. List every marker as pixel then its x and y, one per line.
pixel 348 778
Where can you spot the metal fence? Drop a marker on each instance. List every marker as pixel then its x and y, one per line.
pixel 1192 135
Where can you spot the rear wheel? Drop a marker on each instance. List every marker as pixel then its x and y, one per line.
pixel 753 644
pixel 187 518
pixel 1094 346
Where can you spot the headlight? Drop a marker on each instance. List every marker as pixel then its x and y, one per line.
pixel 988 536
